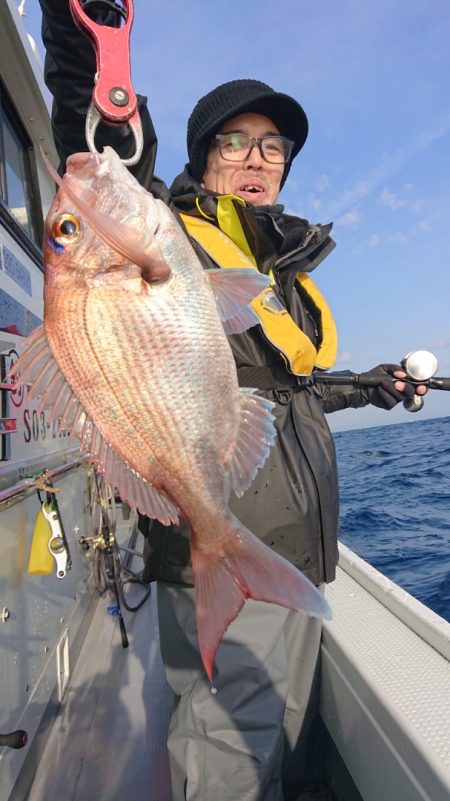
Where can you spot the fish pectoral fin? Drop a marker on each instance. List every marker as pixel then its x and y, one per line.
pixel 234 290
pixel 244 568
pixel 256 436
pixel 38 369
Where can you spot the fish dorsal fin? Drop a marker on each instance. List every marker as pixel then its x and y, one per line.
pixel 37 368
pixel 234 290
pixel 256 436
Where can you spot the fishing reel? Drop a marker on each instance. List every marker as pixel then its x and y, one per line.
pixel 420 367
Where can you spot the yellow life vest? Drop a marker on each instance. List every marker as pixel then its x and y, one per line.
pixel 228 247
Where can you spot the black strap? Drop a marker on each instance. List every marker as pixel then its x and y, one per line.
pixel 268 378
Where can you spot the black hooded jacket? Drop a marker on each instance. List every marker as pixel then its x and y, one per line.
pixel 292 504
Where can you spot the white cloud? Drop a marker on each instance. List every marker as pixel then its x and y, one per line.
pixel 399 238
pixel 390 200
pixel 374 240
pixel 291 184
pixel 350 220
pixel 314 202
pixel 390 164
pixel 322 183
pixel 438 344
pixel 424 226
pixel 394 201
pixel 343 358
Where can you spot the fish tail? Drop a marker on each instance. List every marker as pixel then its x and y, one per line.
pixel 243 567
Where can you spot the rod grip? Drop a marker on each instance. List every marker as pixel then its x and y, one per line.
pixel 123 632
pixel 344 379
pixel 16 739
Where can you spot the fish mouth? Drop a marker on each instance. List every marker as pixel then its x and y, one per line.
pixel 84 165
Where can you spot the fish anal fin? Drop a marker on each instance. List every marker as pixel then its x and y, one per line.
pixel 132 488
pixel 257 434
pixel 243 567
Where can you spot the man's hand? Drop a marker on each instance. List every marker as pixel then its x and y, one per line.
pixel 390 392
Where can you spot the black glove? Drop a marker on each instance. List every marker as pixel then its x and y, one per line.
pixel 385 396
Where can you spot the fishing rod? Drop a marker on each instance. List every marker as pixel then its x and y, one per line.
pixel 420 367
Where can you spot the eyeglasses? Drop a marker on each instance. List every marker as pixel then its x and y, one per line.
pixel 238 146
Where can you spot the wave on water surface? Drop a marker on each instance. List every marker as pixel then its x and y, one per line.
pixel 395 504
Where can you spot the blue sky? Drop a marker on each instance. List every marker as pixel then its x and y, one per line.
pixel 374 81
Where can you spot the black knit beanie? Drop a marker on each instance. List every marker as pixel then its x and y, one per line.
pixel 234 98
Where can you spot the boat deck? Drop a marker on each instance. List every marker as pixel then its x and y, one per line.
pixel 108 740
pixel 386 686
pixel 385 702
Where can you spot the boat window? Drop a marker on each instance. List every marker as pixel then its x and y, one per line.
pixel 18 186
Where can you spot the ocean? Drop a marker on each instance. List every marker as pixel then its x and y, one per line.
pixel 395 504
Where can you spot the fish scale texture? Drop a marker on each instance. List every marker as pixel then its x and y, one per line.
pixel 160 406
pixel 149 363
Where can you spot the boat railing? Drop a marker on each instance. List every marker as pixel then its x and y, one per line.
pixel 22 489
pixel 422 620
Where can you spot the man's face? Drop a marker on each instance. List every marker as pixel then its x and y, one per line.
pixel 254 180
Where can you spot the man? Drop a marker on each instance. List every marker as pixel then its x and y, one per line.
pixel 247 741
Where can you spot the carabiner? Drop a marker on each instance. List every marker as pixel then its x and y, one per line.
pixel 113 97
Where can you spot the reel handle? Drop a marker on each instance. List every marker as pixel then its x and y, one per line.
pixel 414 404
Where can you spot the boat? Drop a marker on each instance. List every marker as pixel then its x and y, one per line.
pixel 41 612
pixel 96 714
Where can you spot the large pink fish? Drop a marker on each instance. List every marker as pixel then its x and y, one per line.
pixel 134 360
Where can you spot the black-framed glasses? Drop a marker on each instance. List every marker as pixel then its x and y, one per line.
pixel 238 146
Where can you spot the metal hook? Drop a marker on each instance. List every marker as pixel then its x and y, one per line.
pixel 93 119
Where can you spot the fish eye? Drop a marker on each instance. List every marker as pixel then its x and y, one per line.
pixel 66 229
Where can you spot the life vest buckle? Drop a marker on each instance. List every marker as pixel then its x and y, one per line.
pixel 283 396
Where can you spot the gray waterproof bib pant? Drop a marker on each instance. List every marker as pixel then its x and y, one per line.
pixel 237 744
